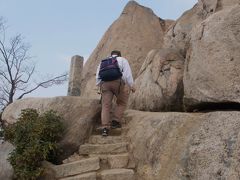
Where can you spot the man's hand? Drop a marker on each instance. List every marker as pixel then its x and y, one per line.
pixel 98 89
pixel 133 89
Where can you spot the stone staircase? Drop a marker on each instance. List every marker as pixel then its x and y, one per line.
pixel 101 158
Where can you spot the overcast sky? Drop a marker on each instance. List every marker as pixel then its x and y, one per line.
pixel 59 29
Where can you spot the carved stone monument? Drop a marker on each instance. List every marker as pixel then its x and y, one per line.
pixel 75 76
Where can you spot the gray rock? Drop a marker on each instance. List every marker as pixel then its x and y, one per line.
pixel 178 35
pixel 6 170
pixel 209 7
pixel 117 174
pixel 175 146
pixel 99 139
pixel 137 31
pixel 212 66
pixel 77 167
pixel 103 148
pixel 85 176
pixel 159 86
pixel 118 160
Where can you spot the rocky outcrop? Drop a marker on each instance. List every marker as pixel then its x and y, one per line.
pixel 178 36
pixel 137 31
pixel 209 7
pixel 171 145
pixel 200 35
pixel 201 54
pixel 78 113
pixel 159 86
pixel 212 68
pixel 185 146
pixel 6 171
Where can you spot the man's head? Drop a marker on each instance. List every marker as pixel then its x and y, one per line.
pixel 115 52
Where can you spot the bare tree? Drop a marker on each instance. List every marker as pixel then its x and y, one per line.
pixel 17 69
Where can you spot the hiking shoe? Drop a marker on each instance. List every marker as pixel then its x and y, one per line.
pixel 105 132
pixel 115 124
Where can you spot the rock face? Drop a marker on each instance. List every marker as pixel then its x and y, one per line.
pixel 6 171
pixel 159 86
pixel 211 6
pixel 78 113
pixel 137 31
pixel 178 36
pixel 212 68
pixel 201 54
pixel 177 146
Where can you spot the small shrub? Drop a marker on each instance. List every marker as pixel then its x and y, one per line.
pixel 35 138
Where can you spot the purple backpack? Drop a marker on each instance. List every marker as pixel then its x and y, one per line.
pixel 109 69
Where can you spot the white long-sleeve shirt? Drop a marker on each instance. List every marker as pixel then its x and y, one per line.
pixel 124 68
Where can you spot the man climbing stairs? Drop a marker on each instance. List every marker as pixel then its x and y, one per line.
pixel 101 158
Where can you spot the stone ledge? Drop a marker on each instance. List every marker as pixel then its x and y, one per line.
pixel 77 167
pixel 118 161
pixel 117 174
pixel 98 139
pixel 86 176
pixel 103 148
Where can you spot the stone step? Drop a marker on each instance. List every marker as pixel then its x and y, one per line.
pixel 103 148
pixel 77 167
pixel 117 174
pixel 118 161
pixel 112 161
pixel 99 139
pixel 112 132
pixel 85 176
pixel 74 157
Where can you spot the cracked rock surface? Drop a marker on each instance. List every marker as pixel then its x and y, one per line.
pixel 137 31
pixel 159 83
pixel 213 61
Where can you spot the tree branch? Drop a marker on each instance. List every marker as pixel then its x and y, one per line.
pixel 4 76
pixel 46 84
pixel 29 75
pixel 4 54
pixel 16 71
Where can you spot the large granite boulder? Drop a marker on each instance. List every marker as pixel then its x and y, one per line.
pixel 137 31
pixel 159 85
pixel 208 7
pixel 212 68
pixel 175 146
pixel 6 170
pixel 178 35
pixel 79 115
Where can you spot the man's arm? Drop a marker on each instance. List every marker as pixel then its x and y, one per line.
pixel 127 75
pixel 98 80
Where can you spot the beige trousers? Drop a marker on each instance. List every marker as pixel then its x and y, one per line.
pixel 109 90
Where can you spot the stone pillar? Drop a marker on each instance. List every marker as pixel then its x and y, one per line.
pixel 75 76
